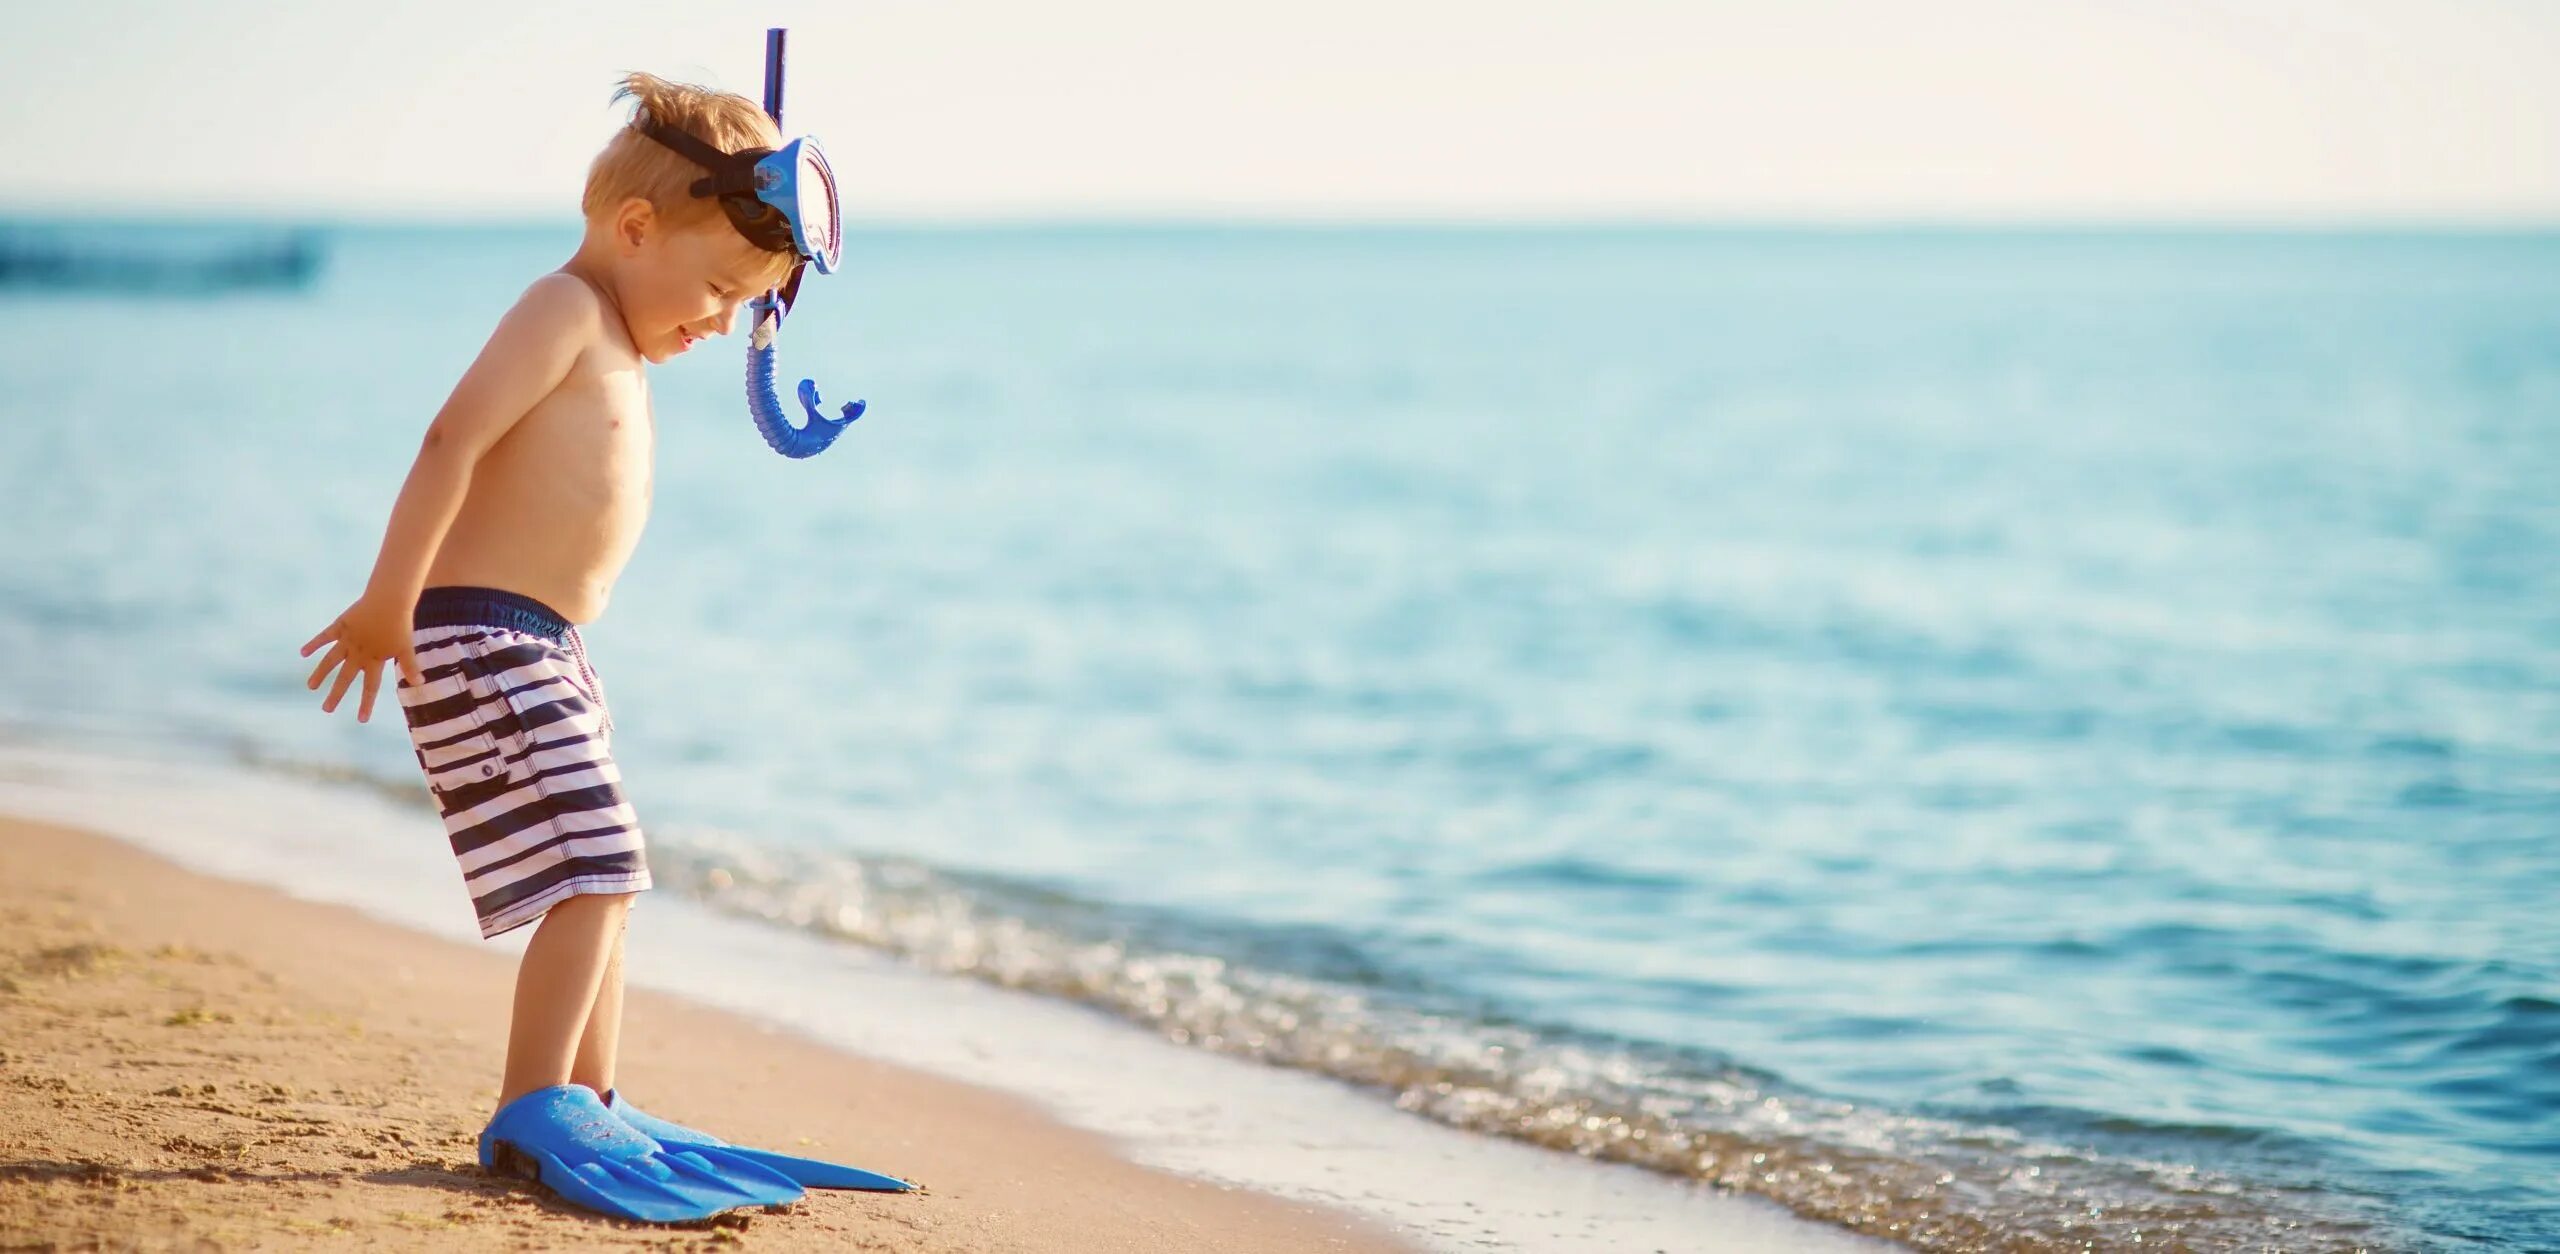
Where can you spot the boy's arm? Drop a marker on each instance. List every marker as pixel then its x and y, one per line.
pixel 526 357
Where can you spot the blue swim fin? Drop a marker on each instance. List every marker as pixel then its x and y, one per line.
pixel 565 1139
pixel 808 1172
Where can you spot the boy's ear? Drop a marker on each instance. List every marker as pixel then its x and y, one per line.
pixel 633 223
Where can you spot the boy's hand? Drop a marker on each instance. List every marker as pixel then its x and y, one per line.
pixel 369 634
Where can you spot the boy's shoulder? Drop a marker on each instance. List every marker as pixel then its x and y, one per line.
pixel 559 304
pixel 561 323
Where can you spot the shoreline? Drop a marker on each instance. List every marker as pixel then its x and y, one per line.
pixel 195 1059
pixel 1200 1118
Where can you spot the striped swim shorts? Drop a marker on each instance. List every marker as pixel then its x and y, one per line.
pixel 510 727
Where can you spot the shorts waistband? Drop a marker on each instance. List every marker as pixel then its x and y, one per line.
pixel 489 607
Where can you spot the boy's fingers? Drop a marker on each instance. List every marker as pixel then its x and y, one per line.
pixel 329 632
pixel 337 653
pixel 372 687
pixel 338 690
pixel 409 667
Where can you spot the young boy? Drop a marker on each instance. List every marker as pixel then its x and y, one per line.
pixel 526 498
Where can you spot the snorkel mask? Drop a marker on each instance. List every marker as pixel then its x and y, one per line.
pixel 780 199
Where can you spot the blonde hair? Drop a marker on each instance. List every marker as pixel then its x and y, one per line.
pixel 632 164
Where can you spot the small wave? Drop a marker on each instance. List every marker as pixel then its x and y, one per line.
pixel 1578 872
pixel 2150 1136
pixel 410 790
pixel 1935 1182
pixel 2433 748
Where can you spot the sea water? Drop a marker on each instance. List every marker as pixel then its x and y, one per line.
pixel 2009 739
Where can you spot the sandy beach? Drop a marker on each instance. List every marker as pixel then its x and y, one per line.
pixel 191 1062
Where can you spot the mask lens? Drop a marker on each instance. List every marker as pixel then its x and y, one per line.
pixel 820 226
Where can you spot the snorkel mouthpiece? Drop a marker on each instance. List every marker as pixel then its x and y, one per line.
pixel 765 404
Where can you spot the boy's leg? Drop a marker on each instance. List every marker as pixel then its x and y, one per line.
pixel 601 1041
pixel 556 990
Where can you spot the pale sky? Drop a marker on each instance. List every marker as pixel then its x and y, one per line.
pixel 2327 111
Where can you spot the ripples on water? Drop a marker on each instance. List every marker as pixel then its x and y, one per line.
pixel 1936 1182
pixel 2009 741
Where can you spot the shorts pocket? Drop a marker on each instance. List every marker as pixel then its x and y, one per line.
pixel 454 726
pixel 547 710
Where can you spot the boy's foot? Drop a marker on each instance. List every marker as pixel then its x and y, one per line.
pixel 565 1138
pixel 807 1172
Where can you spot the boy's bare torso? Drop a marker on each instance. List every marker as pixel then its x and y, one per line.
pixel 557 504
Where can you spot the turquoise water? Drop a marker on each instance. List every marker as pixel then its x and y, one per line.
pixel 2010 740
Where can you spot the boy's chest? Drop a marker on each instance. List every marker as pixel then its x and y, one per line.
pixel 594 434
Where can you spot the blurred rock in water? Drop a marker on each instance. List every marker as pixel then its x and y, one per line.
pixel 66 259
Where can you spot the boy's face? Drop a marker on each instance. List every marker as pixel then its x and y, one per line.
pixel 682 284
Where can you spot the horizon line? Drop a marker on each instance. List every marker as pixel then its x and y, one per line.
pixel 359 217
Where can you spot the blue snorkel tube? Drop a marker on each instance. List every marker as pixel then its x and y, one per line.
pixel 779 181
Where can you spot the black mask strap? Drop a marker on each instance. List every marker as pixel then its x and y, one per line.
pixel 733 181
pixel 732 174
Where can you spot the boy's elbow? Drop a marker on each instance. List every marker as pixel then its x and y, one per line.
pixel 445 447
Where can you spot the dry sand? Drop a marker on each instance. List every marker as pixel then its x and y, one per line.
pixel 192 1063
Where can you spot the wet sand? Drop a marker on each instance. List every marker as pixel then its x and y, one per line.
pixel 187 1062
